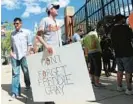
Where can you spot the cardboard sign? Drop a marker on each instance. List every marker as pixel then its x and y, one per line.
pixel 61 77
pixel 131 20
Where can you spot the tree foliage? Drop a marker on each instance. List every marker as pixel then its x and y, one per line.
pixel 6 44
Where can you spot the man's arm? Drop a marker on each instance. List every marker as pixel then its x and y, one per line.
pixel 41 40
pixel 130 32
pixel 29 43
pixel 85 49
pixel 12 51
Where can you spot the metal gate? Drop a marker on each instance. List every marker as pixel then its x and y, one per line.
pixel 95 10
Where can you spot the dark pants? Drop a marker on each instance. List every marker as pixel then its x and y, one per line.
pixel 95 63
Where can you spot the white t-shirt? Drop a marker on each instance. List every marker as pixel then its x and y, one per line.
pixel 51 37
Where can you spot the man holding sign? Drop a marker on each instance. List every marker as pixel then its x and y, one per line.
pixel 50 29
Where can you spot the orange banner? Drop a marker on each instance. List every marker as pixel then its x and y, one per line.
pixel 131 20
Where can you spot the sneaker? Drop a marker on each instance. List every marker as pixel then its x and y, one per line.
pixel 19 97
pixel 12 97
pixel 128 92
pixel 120 89
pixel 99 85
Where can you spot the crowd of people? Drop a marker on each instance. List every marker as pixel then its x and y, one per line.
pixel 115 47
pixel 111 49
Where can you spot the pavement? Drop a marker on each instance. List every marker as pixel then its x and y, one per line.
pixel 106 95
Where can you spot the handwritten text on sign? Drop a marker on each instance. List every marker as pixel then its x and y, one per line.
pixel 54 79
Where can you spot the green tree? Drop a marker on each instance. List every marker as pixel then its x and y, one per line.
pixel 6 44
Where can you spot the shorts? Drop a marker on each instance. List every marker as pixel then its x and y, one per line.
pixel 95 63
pixel 125 64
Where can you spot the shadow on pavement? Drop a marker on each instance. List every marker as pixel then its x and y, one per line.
pixel 26 96
pixel 109 94
pixel 105 95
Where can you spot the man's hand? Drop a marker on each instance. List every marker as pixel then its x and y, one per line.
pixel 28 53
pixel 12 54
pixel 39 33
pixel 49 49
pixel 53 28
pixel 30 50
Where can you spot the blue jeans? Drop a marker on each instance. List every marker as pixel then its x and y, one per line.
pixel 16 64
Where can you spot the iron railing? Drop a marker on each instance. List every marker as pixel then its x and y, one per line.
pixel 95 10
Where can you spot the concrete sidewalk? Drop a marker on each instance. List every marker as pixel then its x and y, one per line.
pixel 107 95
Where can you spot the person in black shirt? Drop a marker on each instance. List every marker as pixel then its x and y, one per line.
pixel 107 55
pixel 121 36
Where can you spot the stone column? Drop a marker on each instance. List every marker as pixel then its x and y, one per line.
pixel 69 22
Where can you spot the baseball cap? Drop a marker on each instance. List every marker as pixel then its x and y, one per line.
pixel 53 5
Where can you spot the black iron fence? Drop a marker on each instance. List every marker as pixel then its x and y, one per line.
pixel 95 10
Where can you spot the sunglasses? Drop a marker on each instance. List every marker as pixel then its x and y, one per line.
pixel 55 6
pixel 16 23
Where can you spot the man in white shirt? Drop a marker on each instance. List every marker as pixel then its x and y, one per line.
pixel 20 47
pixel 50 29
